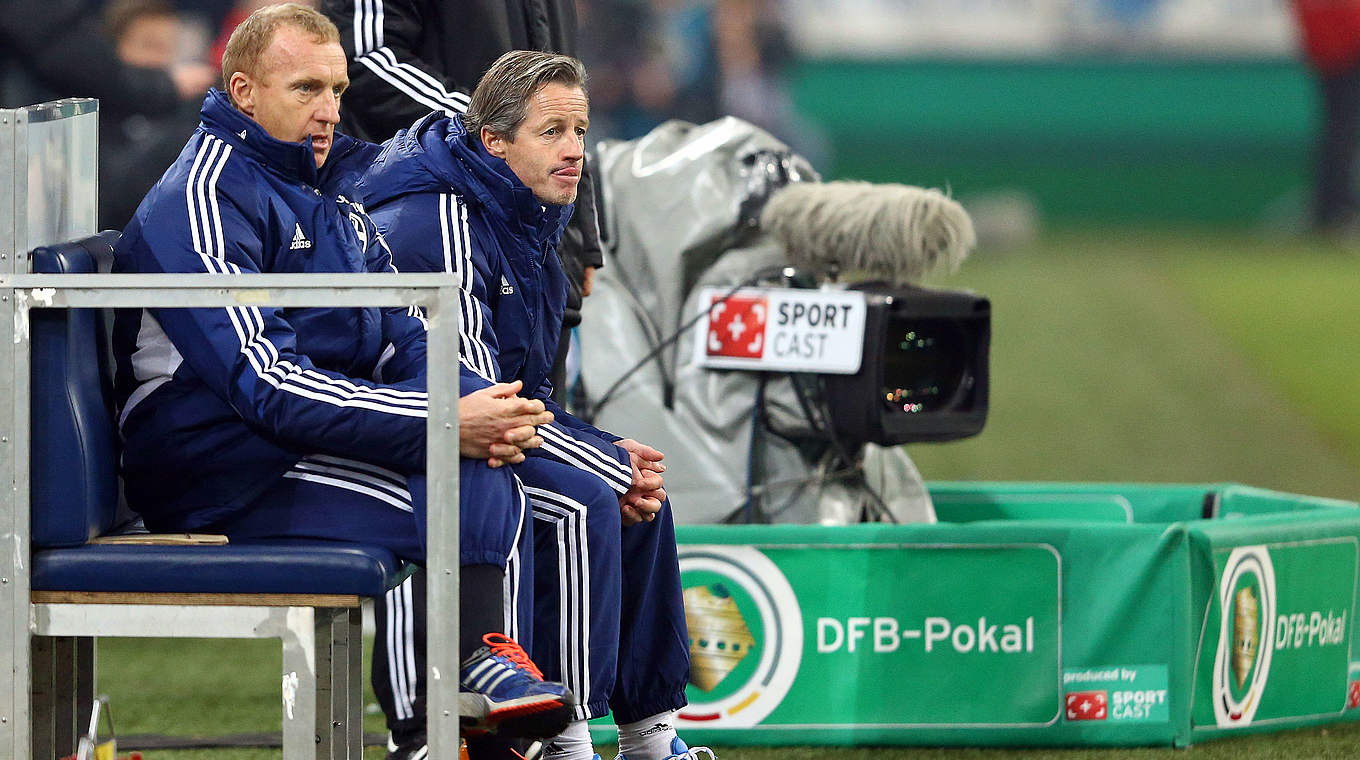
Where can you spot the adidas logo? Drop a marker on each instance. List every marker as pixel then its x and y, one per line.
pixel 299 240
pixel 506 288
pixel 656 729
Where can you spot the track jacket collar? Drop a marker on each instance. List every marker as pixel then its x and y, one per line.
pixel 437 153
pixel 294 160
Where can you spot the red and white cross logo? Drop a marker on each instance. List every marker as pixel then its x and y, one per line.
pixel 1086 705
pixel 736 327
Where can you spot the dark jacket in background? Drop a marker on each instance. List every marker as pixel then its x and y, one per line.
pixel 134 150
pixel 410 57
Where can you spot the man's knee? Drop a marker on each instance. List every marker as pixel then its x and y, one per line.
pixel 492 512
pixel 575 493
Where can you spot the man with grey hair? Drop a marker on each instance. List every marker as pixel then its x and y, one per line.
pixel 485 197
pixel 265 423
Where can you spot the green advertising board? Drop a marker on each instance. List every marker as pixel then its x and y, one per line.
pixel 838 654
pixel 1278 634
pixel 1013 624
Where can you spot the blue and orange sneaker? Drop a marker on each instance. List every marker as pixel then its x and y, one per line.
pixel 507 693
pixel 681 752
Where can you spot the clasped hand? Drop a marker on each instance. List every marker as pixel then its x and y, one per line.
pixel 497 425
pixel 643 499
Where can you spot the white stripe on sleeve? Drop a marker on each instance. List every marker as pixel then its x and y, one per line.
pixel 559 443
pixel 205 224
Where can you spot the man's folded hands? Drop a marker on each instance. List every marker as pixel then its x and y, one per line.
pixel 643 499
pixel 496 424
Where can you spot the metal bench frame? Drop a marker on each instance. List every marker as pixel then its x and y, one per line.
pixel 47 638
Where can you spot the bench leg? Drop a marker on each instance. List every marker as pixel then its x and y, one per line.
pixel 63 693
pixel 44 704
pixel 347 686
pixel 84 658
pixel 323 684
pixel 70 721
pixel 324 663
pixel 339 683
pixel 300 735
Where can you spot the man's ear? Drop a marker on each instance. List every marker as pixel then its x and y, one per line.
pixel 241 90
pixel 494 143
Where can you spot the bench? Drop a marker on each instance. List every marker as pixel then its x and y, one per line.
pixel 305 593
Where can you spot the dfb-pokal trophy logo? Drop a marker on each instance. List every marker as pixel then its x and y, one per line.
pixel 1247 601
pixel 746 635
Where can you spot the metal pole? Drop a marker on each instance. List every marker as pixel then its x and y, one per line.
pixel 15 656
pixel 13 188
pixel 442 557
pixel 14 668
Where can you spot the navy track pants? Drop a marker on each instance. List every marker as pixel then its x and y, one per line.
pixel 342 499
pixel 608 619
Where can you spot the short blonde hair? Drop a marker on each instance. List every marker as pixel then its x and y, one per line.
pixel 249 40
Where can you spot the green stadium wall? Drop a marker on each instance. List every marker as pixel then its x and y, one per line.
pixel 1091 141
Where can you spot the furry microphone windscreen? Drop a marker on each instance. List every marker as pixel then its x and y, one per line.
pixel 898 233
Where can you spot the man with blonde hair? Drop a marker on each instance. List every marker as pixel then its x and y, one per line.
pixel 264 423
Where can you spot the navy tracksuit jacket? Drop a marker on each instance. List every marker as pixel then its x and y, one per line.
pixel 218 404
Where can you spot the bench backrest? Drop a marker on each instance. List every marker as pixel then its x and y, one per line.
pixel 74 463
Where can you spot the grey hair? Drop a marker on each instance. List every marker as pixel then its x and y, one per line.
pixel 897 232
pixel 501 100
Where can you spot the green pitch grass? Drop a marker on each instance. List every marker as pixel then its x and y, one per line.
pixel 1336 743
pixel 213 688
pixel 1131 355
pixel 1116 356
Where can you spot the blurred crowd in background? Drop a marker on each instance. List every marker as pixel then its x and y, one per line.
pixel 649 60
pixel 696 60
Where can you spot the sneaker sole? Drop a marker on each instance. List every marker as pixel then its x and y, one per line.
pixel 535 718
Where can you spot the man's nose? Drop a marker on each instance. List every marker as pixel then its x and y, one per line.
pixel 574 148
pixel 328 110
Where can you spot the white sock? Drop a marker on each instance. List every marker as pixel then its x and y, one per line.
pixel 649 738
pixel 572 744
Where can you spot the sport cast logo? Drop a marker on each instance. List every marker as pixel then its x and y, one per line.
pixel 746 635
pixel 736 326
pixel 1247 601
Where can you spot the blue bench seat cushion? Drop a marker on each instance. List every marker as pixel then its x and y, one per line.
pixel 257 567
